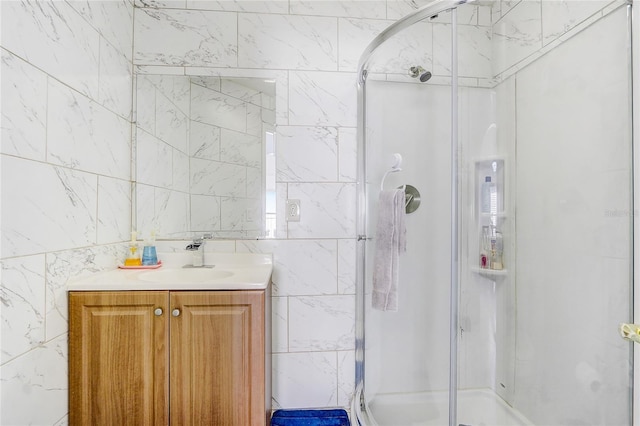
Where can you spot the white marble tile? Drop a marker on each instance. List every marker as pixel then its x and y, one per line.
pixel 256 6
pixel 37 379
pixel 175 88
pixel 254 183
pixel 84 135
pixel 239 89
pixel 209 82
pixel 269 115
pixel 240 148
pixel 484 14
pixel 145 209
pixel 22 292
pixel 24 108
pixel 217 109
pixel 185 37
pixel 211 246
pixel 327 210
pixel 287 42
pixel 145 107
pixel 63 265
pixel 112 19
pixel 254 120
pixel 507 5
pixel 54 37
pixel 319 323
pixel 234 214
pixel 396 9
pixel 307 154
pixel 54 209
pixel 346 266
pixel 322 98
pixel 281 205
pixel 216 178
pixel 169 4
pixel 114 210
pixel 412 46
pixel 153 160
pixel 180 171
pixel 373 9
pixel 280 324
pixel 172 125
pixel 171 213
pixel 302 380
pixel 558 17
pixel 299 267
pixel 159 69
pixel 354 35
pixel 347 154
pixel 496 11
pixel 517 35
pixel 474 51
pixel 116 71
pixel 204 141
pixel 205 213
pixel 346 377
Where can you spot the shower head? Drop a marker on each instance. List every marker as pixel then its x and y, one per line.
pixel 418 71
pixel 425 76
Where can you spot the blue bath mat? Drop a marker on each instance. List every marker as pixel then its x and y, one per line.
pixel 310 418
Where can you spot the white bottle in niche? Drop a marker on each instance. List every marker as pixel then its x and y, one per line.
pixel 488 197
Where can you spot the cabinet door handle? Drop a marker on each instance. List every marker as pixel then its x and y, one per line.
pixel 175 312
pixel 158 312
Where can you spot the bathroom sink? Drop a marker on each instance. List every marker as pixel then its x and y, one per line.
pixel 225 271
pixel 185 276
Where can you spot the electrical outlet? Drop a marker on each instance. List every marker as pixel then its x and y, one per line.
pixel 293 210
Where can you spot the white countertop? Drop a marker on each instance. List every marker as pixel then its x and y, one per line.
pixel 247 271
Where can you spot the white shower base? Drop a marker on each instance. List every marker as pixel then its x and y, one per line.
pixel 477 407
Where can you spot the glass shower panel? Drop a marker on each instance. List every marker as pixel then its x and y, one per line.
pixel 547 213
pixel 406 352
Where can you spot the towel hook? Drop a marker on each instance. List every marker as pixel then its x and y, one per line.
pixel 395 167
pixel 412 195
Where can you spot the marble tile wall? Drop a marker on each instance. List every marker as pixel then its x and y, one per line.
pixel 65 183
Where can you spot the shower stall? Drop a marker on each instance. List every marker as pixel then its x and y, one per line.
pixel 514 121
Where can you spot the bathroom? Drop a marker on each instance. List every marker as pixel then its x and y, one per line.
pixel 66 198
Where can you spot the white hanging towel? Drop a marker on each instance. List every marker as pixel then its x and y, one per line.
pixel 391 240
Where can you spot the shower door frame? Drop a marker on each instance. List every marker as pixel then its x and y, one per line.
pixel 423 13
pixel 635 124
pixel 426 12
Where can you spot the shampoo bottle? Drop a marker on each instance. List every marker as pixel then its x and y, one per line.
pixel 488 196
pixel 484 248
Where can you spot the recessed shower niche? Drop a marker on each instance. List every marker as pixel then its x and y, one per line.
pixel 489 189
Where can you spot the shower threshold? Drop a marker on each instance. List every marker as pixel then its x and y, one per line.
pixel 476 407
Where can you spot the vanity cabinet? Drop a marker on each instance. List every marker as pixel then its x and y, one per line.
pixel 169 357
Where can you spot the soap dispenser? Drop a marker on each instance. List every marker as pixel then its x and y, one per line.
pixel 133 255
pixel 149 255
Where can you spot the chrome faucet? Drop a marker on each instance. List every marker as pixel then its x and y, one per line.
pixel 197 250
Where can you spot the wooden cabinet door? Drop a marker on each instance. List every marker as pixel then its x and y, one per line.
pixel 217 358
pixel 118 353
